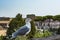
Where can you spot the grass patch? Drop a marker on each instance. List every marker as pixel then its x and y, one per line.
pixel 39 34
pixel 21 38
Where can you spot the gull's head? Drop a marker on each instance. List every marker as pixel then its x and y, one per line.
pixel 28 20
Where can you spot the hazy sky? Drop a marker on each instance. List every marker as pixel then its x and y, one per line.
pixel 9 8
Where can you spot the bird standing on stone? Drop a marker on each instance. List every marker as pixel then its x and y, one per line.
pixel 24 30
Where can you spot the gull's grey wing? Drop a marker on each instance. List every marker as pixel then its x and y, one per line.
pixel 21 31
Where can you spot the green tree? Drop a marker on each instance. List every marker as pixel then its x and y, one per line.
pixel 15 24
pixel 57 17
pixel 38 18
pixel 33 30
pixel 49 17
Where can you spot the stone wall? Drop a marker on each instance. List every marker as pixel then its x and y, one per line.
pixel 55 37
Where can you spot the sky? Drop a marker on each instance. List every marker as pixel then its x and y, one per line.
pixel 10 8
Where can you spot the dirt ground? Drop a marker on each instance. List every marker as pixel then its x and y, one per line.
pixel 3 32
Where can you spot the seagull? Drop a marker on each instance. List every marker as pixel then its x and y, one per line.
pixel 24 30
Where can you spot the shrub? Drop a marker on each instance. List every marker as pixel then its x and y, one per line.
pixel 40 35
pixel 1 37
pixel 47 33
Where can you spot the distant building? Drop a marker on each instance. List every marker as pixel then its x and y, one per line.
pixel 53 24
pixel 38 25
pixel 4 22
pixel 46 24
